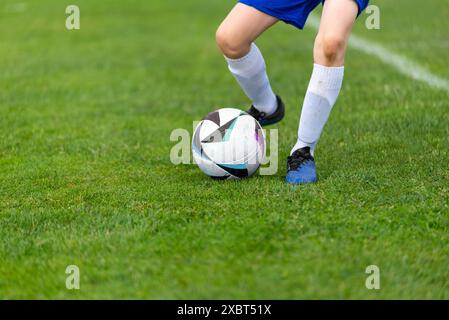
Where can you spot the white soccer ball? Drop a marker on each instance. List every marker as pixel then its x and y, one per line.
pixel 228 144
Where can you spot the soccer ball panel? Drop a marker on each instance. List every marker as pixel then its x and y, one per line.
pixel 234 148
pixel 209 167
pixel 227 114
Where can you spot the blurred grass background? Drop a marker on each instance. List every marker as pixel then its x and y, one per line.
pixel 85 175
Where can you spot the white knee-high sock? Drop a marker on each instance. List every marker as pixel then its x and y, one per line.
pixel 250 72
pixel 324 87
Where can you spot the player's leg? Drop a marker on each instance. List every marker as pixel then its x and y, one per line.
pixel 330 45
pixel 235 37
pixel 242 26
pixel 336 24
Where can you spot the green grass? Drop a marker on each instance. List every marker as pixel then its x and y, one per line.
pixel 85 175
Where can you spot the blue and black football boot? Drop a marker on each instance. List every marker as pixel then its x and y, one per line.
pixel 301 168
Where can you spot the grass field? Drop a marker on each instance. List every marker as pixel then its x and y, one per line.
pixel 86 179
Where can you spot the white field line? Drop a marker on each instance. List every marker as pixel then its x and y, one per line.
pixel 400 63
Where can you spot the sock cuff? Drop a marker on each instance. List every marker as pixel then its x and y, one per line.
pixel 248 65
pixel 327 78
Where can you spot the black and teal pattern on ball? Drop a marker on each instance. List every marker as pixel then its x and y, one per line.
pixel 222 134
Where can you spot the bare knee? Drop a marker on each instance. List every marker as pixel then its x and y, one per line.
pixel 333 47
pixel 330 49
pixel 231 44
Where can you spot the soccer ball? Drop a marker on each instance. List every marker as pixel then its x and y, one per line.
pixel 228 144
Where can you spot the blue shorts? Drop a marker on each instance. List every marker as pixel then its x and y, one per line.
pixel 294 12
